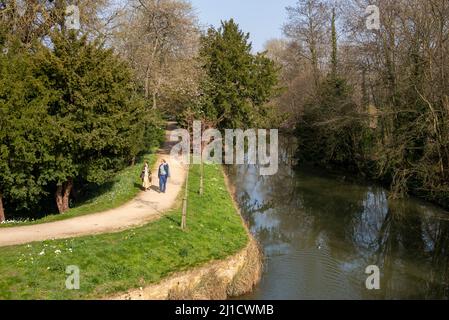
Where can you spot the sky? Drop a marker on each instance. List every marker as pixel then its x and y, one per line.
pixel 263 19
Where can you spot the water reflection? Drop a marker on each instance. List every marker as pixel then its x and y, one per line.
pixel 320 232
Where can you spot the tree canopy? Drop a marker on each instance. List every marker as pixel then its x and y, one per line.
pixel 237 83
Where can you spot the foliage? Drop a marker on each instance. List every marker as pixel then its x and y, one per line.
pixel 70 117
pixel 25 128
pixel 237 84
pixel 96 116
pixel 329 127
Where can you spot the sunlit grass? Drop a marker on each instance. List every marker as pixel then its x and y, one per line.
pixel 117 262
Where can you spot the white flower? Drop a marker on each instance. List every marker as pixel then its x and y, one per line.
pixel 42 253
pixel 57 251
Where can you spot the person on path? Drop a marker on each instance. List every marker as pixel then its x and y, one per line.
pixel 163 174
pixel 146 177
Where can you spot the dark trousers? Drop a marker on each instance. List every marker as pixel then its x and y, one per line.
pixel 163 183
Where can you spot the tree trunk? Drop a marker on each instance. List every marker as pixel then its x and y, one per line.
pixel 147 73
pixel 62 195
pixel 147 82
pixel 334 60
pixel 154 100
pixel 67 193
pixel 2 211
pixel 58 198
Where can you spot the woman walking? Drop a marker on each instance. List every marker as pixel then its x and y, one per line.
pixel 146 177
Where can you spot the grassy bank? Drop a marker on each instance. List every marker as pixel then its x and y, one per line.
pixel 114 263
pixel 121 189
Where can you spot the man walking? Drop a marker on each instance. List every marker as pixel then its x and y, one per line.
pixel 163 174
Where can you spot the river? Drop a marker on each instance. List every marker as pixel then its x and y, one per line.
pixel 320 232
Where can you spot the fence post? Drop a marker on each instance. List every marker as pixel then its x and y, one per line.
pixel 203 128
pixel 202 179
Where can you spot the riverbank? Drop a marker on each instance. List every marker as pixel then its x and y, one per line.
pixel 111 264
pixel 232 277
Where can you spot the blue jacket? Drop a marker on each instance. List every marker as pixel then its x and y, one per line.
pixel 167 170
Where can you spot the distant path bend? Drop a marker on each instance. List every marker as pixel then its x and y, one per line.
pixel 146 207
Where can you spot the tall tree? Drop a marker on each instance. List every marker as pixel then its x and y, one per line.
pixel 160 39
pixel 296 79
pixel 98 117
pixel 25 128
pixel 238 84
pixel 307 24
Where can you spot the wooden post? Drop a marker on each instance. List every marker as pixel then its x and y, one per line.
pixel 203 127
pixel 184 202
pixel 202 178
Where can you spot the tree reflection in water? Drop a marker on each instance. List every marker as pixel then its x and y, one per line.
pixel 320 232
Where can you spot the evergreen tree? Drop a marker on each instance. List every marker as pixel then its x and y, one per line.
pixel 238 84
pixel 98 121
pixel 25 129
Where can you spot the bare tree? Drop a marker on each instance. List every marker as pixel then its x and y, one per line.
pixel 32 20
pixel 160 39
pixel 307 24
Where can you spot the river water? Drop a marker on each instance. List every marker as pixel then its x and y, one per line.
pixel 320 232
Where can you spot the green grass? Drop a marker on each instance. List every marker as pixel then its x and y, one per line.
pixel 114 263
pixel 121 189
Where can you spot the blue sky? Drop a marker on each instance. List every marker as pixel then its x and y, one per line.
pixel 263 19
